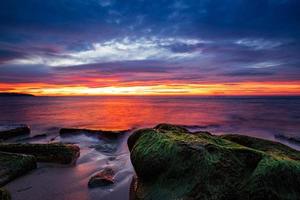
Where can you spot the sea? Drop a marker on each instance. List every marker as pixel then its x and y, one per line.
pixel 258 116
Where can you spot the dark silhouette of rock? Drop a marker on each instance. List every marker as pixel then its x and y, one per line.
pixel 53 152
pixel 172 163
pixel 14 165
pixel 101 134
pixel 10 131
pixel 103 178
pixel 14 94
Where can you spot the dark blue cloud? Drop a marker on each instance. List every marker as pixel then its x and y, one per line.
pixel 190 17
pixel 250 73
pixel 6 55
pixel 24 73
pixel 233 37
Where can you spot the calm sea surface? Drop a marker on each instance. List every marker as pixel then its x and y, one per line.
pixel 256 116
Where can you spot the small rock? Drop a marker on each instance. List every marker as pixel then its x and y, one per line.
pixel 103 178
pixel 54 152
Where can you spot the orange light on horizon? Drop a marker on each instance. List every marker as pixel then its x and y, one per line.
pixel 242 88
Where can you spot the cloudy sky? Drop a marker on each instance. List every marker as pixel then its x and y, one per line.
pixel 77 47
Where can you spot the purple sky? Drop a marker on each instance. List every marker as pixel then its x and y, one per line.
pixel 99 43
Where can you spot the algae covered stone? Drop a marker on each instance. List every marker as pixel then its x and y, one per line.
pixel 53 152
pixel 14 165
pixel 171 163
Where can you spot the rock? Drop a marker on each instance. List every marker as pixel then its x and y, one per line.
pixel 4 194
pixel 171 163
pixel 10 131
pixel 111 135
pixel 103 178
pixel 133 188
pixel 14 165
pixel 136 135
pixel 101 134
pixel 53 152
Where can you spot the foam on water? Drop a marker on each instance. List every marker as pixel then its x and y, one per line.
pixel 52 181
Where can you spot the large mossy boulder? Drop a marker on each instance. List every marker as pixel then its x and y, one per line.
pixel 4 194
pixel 52 152
pixel 172 163
pixel 14 165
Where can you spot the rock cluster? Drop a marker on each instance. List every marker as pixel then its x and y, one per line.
pixel 17 159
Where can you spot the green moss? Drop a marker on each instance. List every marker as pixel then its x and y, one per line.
pixel 172 163
pixel 54 152
pixel 270 147
pixel 4 194
pixel 14 165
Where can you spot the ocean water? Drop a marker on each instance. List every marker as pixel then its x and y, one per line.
pixel 262 117
pixel 257 116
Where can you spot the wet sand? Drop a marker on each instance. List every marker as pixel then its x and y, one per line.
pixel 51 181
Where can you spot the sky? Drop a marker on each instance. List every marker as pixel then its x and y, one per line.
pixel 146 47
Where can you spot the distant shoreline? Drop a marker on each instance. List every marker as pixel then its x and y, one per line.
pixel 4 94
pixel 12 94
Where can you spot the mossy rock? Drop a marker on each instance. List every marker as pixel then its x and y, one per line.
pixel 53 152
pixel 4 194
pixel 171 163
pixel 14 165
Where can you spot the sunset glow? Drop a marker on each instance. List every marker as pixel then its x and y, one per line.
pixel 251 88
pixel 110 47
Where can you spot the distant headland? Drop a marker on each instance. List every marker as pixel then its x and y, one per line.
pixel 14 94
